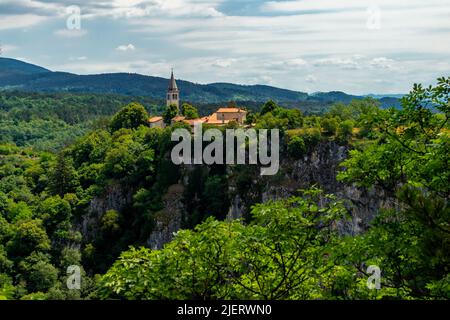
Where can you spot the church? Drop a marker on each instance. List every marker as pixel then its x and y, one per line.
pixel 221 117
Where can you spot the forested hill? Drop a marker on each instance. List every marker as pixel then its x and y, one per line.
pixel 12 67
pixel 18 75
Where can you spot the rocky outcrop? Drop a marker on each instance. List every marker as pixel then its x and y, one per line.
pixel 319 167
pixel 168 221
pixel 114 197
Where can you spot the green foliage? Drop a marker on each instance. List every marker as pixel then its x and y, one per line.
pixel 310 136
pixel 189 111
pixel 294 117
pixel 345 130
pixel 52 121
pixel 35 296
pixel 216 196
pixel 19 211
pixel 5 230
pixel 276 257
pixel 329 125
pixel 170 113
pixel 55 212
pixel 269 121
pixel 28 236
pixel 110 221
pixel 130 117
pixel 91 148
pixel 38 273
pixel 286 249
pixel 269 106
pixel 409 158
pixel 63 176
pixel 296 147
pixel 251 118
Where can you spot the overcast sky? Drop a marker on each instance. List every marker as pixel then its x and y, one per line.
pixel 356 46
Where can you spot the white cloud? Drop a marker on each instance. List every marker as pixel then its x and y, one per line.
pixel 124 48
pixel 350 63
pixel 153 8
pixel 332 40
pixel 81 58
pixel 311 79
pixel 223 63
pixel 161 69
pixel 382 62
pixel 71 33
pixel 7 48
pixel 328 5
pixel 19 21
pixel 297 62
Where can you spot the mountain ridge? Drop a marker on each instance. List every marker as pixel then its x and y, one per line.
pixel 19 75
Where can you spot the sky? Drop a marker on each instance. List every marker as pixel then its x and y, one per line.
pixel 355 46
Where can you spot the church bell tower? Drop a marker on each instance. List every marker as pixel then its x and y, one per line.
pixel 173 94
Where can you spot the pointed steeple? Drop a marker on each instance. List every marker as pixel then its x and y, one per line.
pixel 173 94
pixel 172 83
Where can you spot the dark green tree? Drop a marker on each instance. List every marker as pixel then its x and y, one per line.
pixel 296 147
pixel 269 106
pixel 189 111
pixel 130 117
pixel 63 177
pixel 170 113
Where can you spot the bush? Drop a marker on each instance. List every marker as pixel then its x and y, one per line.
pixel 296 147
pixel 329 125
pixel 190 112
pixel 345 130
pixel 39 274
pixel 269 106
pixel 110 221
pixel 311 136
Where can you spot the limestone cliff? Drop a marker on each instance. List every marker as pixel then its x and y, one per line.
pixel 246 187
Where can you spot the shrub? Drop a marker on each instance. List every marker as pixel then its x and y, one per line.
pixel 296 147
pixel 329 125
pixel 345 130
pixel 312 137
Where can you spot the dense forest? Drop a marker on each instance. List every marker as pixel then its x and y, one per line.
pixel 49 122
pixel 289 248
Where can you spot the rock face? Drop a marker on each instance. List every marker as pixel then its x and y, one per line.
pixel 115 197
pixel 169 219
pixel 319 167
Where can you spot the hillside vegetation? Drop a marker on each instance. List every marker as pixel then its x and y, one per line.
pixel 284 249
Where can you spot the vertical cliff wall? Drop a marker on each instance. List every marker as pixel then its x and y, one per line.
pixel 247 187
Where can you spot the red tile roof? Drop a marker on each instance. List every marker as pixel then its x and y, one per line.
pixel 178 118
pixel 231 110
pixel 155 119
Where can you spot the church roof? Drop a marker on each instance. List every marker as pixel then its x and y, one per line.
pixel 212 119
pixel 155 119
pixel 230 110
pixel 172 83
pixel 178 118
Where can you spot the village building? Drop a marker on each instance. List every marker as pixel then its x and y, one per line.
pixel 221 117
pixel 231 114
pixel 156 122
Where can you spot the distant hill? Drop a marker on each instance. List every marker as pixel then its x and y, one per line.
pixel 18 75
pixel 12 67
